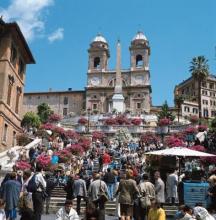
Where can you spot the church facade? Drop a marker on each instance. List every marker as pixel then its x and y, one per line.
pixel 101 82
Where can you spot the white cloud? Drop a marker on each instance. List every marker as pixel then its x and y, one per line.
pixel 56 35
pixel 28 14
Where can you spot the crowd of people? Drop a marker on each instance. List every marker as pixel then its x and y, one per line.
pixel 118 173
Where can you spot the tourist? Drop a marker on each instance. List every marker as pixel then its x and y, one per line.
pixel 109 179
pixel 106 161
pixel 50 185
pixel 159 188
pixel 92 212
pixel 37 196
pixel 127 191
pixel 10 194
pixel 172 183
pixel 69 187
pixel 97 187
pixel 67 212
pixel 79 190
pixel 187 213
pixel 156 212
pixel 212 192
pixel 147 190
pixel 201 213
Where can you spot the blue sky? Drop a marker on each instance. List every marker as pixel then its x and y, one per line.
pixel 59 33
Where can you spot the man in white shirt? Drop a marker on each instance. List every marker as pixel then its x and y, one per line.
pixel 67 212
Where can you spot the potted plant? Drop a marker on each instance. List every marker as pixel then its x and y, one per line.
pixel 82 122
pixel 54 118
pixel 164 125
pixel 193 119
pixel 136 121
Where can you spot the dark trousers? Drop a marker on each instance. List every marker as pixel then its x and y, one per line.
pixel 47 205
pixel 101 207
pixel 79 198
pixel 38 203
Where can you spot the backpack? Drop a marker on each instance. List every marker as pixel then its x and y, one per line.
pixel 32 186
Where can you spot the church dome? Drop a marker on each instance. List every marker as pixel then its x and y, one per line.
pixel 139 36
pixel 99 38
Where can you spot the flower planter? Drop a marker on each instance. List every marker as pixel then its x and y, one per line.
pixel 81 128
pixel 164 129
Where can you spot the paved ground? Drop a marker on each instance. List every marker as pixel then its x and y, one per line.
pixel 52 217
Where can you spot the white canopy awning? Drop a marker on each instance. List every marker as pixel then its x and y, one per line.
pixel 181 152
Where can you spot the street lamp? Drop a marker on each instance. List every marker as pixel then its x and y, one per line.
pixel 88 113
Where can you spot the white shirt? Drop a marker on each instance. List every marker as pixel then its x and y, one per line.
pixel 63 215
pixel 39 179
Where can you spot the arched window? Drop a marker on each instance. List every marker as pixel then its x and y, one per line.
pixel 97 62
pixel 139 60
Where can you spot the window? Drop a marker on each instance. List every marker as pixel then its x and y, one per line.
pixel 205 113
pixel 38 97
pixel 65 111
pixel 211 102
pixel 211 86
pixel 195 110
pixel 97 62
pixel 205 102
pixel 138 106
pixel 19 91
pixel 186 109
pixel 5 132
pixel 204 85
pixel 13 55
pixel 21 68
pixel 94 106
pixel 139 61
pixel 14 138
pixel 65 100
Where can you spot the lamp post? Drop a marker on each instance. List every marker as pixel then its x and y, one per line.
pixel 88 113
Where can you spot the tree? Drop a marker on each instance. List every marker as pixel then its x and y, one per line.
pixel 178 102
pixel 200 70
pixel 165 113
pixel 30 120
pixel 44 111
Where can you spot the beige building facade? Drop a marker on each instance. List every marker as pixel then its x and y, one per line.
pixel 14 56
pixel 61 102
pixel 99 90
pixel 189 90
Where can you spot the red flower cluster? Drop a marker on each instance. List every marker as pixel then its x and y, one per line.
pixel 190 130
pixel 110 121
pixel 44 160
pixel 85 143
pixel 76 149
pixel 198 148
pixel 48 126
pixel 202 128
pixel 97 135
pixel 136 121
pixel 71 134
pixel 193 119
pixel 54 118
pixel 149 138
pixel 83 121
pixel 22 165
pixel 122 119
pixel 64 155
pixel 172 141
pixel 164 122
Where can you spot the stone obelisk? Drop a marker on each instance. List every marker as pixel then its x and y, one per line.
pixel 118 98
